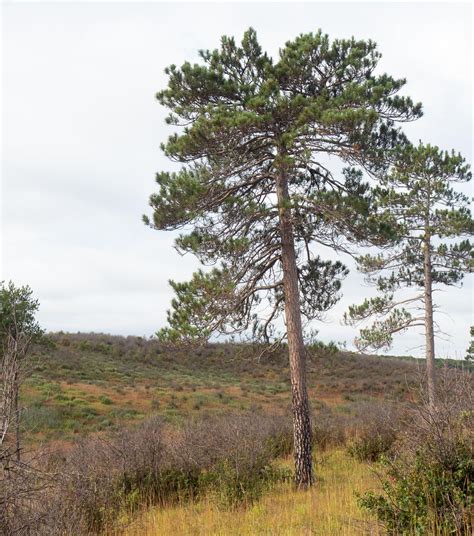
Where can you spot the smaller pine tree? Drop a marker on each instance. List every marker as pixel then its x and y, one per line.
pixel 431 250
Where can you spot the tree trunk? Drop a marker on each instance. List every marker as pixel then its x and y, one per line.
pixel 300 404
pixel 16 410
pixel 429 326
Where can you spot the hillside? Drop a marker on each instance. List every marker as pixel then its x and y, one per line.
pixel 85 383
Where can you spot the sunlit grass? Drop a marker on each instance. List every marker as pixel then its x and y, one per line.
pixel 329 509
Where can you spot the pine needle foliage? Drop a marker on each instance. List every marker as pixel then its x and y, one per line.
pixel 432 250
pixel 242 118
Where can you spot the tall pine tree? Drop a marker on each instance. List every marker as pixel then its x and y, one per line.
pixel 253 194
pixel 432 250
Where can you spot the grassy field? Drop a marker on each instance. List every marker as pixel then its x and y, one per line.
pixel 86 383
pixel 329 509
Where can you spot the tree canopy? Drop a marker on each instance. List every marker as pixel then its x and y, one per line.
pixel 242 118
pixel 18 321
pixel 434 220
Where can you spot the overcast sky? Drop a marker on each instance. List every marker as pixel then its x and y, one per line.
pixel 81 131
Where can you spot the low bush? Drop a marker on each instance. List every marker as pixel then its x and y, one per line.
pixel 426 496
pixel 375 428
pixel 234 453
pixel 428 487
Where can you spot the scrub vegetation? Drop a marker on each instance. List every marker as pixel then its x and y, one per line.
pixel 87 383
pixel 130 437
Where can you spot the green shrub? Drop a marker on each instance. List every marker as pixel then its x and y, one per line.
pixel 426 496
pixel 281 442
pixel 429 487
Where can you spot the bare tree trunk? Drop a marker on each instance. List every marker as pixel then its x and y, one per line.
pixel 16 410
pixel 300 403
pixel 7 390
pixel 429 323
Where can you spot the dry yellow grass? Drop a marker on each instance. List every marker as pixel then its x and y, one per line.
pixel 329 509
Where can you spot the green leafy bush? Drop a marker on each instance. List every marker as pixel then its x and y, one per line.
pixel 426 496
pixel 429 487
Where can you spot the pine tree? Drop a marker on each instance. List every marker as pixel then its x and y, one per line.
pixel 255 195
pixel 419 194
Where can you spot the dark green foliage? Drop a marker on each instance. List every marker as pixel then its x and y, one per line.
pixel 231 486
pixel 320 282
pixel 371 447
pixel 17 315
pixel 243 118
pixel 319 349
pixel 18 331
pixel 426 497
pixel 195 307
